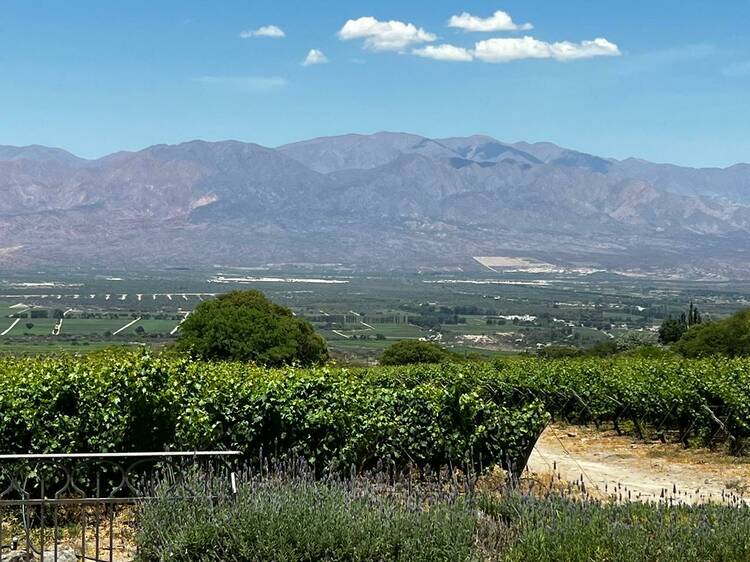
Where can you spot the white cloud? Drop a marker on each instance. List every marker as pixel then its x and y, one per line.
pixel 315 57
pixel 384 35
pixel 244 83
pixel 510 49
pixel 265 31
pixel 499 21
pixel 444 52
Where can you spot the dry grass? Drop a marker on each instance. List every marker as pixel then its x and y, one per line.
pixel 70 537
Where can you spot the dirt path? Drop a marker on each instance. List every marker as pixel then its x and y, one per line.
pixel 610 464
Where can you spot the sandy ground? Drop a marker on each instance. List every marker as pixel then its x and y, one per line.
pixel 123 543
pixel 610 465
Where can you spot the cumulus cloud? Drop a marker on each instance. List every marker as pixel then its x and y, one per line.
pixel 499 21
pixel 315 56
pixel 384 35
pixel 509 49
pixel 264 31
pixel 444 52
pixel 402 37
pixel 244 83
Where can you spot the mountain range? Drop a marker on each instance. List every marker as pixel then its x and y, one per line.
pixel 387 200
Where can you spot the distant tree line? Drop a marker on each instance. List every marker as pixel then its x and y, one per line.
pixel 688 334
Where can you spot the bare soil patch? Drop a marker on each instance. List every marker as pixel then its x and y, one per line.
pixel 623 468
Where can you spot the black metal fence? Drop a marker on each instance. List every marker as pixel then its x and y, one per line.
pixel 66 507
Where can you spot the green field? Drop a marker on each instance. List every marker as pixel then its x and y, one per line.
pixel 364 311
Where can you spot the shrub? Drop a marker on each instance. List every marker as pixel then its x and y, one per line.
pixel 559 352
pixel 632 341
pixel 303 520
pixel 558 529
pixel 411 352
pixel 603 349
pixel 650 352
pixel 246 326
pixel 729 337
pixel 671 330
pixel 425 415
pixel 298 519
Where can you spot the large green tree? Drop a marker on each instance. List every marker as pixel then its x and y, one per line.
pixel 247 326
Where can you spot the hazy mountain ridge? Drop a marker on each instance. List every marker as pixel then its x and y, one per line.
pixel 385 199
pixel 38 153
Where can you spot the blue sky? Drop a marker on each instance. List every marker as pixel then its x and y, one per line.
pixel 670 80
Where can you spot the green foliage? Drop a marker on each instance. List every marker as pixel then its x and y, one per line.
pixel 650 352
pixel 411 352
pixel 729 337
pixel 301 521
pixel 672 329
pixel 692 317
pixel 628 344
pixel 666 394
pixel 559 352
pixel 558 529
pixel 633 341
pixel 294 518
pixel 91 405
pixel 246 326
pixel 608 348
pixel 421 415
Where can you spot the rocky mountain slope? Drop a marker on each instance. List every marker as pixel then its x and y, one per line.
pixel 383 200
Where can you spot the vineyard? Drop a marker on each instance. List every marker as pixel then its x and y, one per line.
pixel 706 400
pixel 424 415
pixel 387 463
